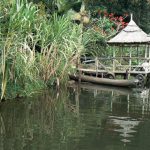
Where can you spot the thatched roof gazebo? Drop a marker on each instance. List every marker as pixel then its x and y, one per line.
pixel 131 34
pixel 134 45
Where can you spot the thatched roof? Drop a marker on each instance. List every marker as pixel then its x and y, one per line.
pixel 131 34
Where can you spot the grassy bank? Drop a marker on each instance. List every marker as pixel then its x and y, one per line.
pixel 36 50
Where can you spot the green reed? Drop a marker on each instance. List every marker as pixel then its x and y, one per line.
pixel 23 70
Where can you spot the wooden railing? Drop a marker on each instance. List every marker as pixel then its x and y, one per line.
pixel 107 64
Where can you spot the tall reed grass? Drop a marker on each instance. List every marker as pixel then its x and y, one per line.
pixel 23 32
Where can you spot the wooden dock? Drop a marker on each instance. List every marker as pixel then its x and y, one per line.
pixel 116 73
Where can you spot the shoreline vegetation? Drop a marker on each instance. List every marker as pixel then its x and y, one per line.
pixel 36 51
pixel 39 48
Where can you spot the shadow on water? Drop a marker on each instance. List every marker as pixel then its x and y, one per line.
pixel 83 117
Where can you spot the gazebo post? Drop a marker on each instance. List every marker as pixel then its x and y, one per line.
pixel 149 52
pixel 114 57
pixel 121 54
pixel 146 52
pixel 137 54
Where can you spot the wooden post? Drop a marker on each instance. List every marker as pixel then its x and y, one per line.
pixel 80 72
pixel 146 52
pixel 149 52
pixel 96 66
pixel 121 54
pixel 78 68
pixel 114 57
pixel 137 55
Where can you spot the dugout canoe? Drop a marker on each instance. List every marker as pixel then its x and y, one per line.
pixel 105 81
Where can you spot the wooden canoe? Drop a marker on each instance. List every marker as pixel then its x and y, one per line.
pixel 105 81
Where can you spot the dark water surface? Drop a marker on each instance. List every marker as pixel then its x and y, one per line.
pixel 82 118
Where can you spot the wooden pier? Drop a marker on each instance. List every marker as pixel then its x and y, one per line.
pixel 126 74
pixel 104 73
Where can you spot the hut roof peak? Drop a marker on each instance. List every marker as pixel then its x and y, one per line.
pixel 131 34
pixel 132 27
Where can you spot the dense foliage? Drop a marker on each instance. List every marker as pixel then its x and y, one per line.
pixel 139 8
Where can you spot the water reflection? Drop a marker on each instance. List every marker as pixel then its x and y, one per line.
pixel 83 117
pixel 125 110
pixel 126 127
pixel 32 123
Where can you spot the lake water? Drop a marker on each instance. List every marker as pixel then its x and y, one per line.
pixel 85 117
